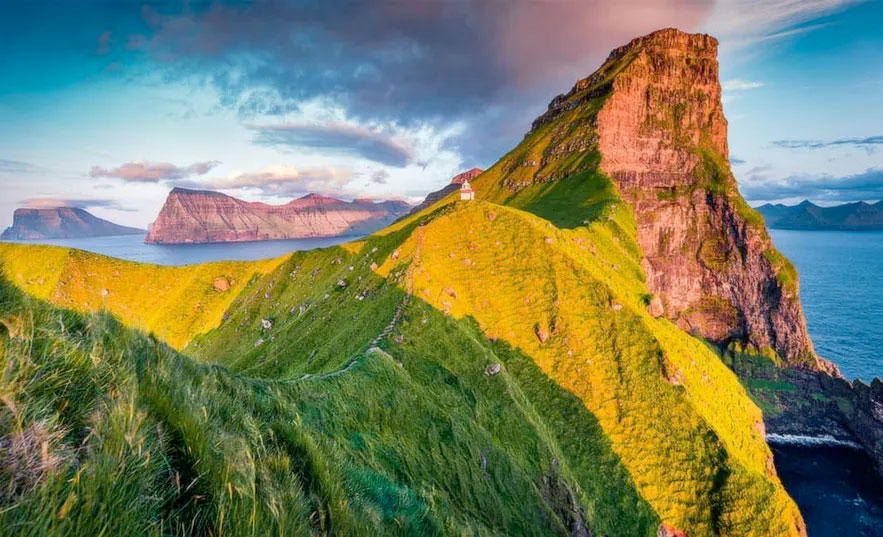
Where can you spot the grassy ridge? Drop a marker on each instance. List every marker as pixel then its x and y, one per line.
pixel 176 303
pixel 143 441
pixel 615 422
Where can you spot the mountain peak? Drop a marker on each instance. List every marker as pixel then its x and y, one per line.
pixel 180 191
pixel 466 176
pixel 672 41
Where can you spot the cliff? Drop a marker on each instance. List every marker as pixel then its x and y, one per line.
pixel 198 216
pixel 648 129
pixel 61 223
pixel 858 216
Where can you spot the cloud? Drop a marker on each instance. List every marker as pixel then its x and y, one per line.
pixel 492 66
pixel 15 166
pixel 379 177
pixel 141 171
pixel 869 143
pixel 740 85
pixel 337 137
pixel 51 202
pixel 745 22
pixel 867 185
pixel 280 180
pixel 103 44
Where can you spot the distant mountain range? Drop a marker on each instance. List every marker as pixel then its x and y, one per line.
pixel 200 216
pixel 859 216
pixel 61 223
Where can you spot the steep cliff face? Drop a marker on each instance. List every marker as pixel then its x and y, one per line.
pixel 648 129
pixel 61 223
pixel 196 216
pixel 663 139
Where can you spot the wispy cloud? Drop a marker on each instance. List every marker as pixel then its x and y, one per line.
pixel 745 22
pixel 15 166
pixel 141 171
pixel 103 43
pixel 731 88
pixel 738 84
pixel 870 143
pixel 337 137
pixel 280 180
pixel 51 202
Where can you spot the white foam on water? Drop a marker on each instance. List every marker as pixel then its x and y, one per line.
pixel 809 441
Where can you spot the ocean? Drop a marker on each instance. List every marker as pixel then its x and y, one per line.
pixel 841 288
pixel 132 247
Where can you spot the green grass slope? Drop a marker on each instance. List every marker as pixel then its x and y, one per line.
pixel 346 391
pixel 174 302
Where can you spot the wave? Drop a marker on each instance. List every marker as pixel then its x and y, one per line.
pixel 810 441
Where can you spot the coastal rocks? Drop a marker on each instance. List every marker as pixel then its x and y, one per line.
pixel 198 216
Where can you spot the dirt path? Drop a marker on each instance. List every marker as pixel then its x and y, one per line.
pixel 397 315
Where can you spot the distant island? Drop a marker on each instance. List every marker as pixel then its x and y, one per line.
pixel 61 223
pixel 202 216
pixel 858 216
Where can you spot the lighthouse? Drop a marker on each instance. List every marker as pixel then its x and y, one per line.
pixel 466 192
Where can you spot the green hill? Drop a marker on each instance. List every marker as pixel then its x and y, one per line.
pixel 508 366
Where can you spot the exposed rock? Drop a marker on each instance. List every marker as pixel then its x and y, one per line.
pixel 542 335
pixel 667 531
pixel 491 216
pixel 61 223
pixel 662 137
pixel 197 216
pixel 492 370
pixel 654 307
pixel 266 324
pixel 341 284
pixel 615 305
pixel 221 284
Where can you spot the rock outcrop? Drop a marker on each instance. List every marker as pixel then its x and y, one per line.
pixel 653 115
pixel 61 223
pixel 663 139
pixel 450 188
pixel 198 216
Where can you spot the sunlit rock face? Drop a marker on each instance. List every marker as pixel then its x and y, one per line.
pixel 197 216
pixel 662 137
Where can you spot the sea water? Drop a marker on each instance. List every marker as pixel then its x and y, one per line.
pixel 132 247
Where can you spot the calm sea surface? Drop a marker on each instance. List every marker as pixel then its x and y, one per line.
pixel 841 287
pixel 132 247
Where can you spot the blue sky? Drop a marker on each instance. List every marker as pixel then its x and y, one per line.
pixel 108 104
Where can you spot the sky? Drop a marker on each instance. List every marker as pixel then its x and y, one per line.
pixel 108 104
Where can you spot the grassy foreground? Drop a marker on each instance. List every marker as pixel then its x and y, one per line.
pixel 475 370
